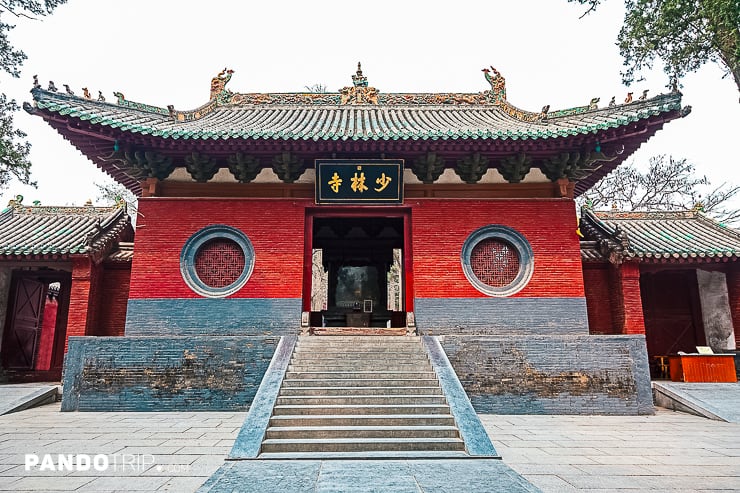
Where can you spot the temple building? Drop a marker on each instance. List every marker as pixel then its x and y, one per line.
pixel 64 271
pixel 275 215
pixel 673 276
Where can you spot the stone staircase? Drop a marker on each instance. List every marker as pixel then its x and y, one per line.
pixel 361 396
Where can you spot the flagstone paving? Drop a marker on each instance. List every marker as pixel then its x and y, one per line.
pixel 179 451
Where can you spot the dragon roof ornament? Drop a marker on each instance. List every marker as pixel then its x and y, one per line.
pixel 359 93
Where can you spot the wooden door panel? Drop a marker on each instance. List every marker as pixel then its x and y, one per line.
pixel 19 347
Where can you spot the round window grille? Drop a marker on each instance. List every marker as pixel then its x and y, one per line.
pixel 497 260
pixel 494 262
pixel 217 261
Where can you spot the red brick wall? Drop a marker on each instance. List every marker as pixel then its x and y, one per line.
pixel 631 320
pixel 275 228
pixel 597 282
pixel 113 300
pixel 82 298
pixel 440 228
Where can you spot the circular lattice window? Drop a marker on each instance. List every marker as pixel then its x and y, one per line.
pixel 497 260
pixel 217 261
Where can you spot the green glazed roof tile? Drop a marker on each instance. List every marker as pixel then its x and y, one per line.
pixel 687 234
pixel 58 230
pixel 350 122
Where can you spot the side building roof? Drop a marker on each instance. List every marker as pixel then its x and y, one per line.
pixel 39 232
pixel 133 141
pixel 678 236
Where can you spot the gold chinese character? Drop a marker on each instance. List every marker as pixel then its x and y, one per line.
pixel 335 182
pixel 383 181
pixel 358 183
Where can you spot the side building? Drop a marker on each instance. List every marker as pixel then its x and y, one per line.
pixel 64 271
pixel 672 276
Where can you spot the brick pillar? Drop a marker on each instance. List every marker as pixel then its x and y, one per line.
pixel 82 303
pixel 628 315
pixel 733 294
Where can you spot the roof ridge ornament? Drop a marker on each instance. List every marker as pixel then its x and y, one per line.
pixel 358 79
pixel 218 84
pixel 359 92
pixel 498 85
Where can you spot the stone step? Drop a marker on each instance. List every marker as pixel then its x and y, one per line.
pixel 315 432
pixel 360 382
pixel 297 410
pixel 360 356
pixel 361 444
pixel 360 400
pixel 351 338
pixel 359 375
pixel 309 391
pixel 360 348
pixel 334 344
pixel 360 366
pixel 334 420
pixel 418 454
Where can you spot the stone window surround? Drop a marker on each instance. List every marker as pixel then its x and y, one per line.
pixel 510 236
pixel 195 243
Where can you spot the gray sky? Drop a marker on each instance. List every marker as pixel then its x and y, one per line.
pixel 166 52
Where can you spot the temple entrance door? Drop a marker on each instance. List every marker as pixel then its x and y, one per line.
pixel 24 325
pixel 357 272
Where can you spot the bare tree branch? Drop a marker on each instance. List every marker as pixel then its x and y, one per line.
pixel 667 184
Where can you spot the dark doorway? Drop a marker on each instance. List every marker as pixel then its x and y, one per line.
pixel 24 331
pixel 672 310
pixel 360 272
pixel 36 323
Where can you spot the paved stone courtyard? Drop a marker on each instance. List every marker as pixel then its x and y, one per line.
pixel 179 451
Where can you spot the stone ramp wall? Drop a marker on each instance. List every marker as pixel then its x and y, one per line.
pixel 194 373
pixel 553 374
pixel 502 374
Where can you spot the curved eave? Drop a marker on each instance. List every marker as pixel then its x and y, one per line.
pixel 633 137
pixel 683 257
pixel 310 132
pixel 352 123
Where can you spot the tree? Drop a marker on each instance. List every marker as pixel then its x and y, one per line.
pixel 113 192
pixel 13 147
pixel 667 184
pixel 683 34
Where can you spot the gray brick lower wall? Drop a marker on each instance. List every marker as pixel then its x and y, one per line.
pixel 494 316
pixel 553 374
pixel 216 316
pixel 195 373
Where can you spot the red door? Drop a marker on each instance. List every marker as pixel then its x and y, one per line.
pixel 22 331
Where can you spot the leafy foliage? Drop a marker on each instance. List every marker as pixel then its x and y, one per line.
pixel 316 88
pixel 113 192
pixel 683 34
pixel 667 184
pixel 14 148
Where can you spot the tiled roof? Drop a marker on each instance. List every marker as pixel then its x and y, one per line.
pixel 248 132
pixel 124 253
pixel 397 121
pixel 657 236
pixel 54 232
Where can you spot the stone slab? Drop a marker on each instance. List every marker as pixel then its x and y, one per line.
pixel 366 476
pixel 15 398
pixel 720 401
pixel 472 432
pixel 253 430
